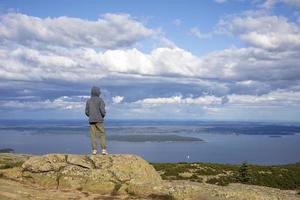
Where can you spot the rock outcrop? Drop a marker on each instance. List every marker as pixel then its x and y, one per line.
pixel 57 176
pixel 110 174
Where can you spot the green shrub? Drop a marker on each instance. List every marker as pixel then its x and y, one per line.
pixel 243 175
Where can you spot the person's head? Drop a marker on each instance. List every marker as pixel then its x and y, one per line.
pixel 95 91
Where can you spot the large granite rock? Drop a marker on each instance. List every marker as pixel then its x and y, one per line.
pixel 110 174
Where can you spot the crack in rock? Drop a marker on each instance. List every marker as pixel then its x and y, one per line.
pixel 92 162
pixel 118 183
pixel 59 174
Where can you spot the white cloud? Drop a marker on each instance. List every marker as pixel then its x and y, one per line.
pixel 197 33
pixel 274 98
pixel 29 64
pixel 63 102
pixel 202 100
pixel 251 64
pixel 117 99
pixel 268 4
pixel 77 64
pixel 268 32
pixel 109 31
pixel 165 42
pixel 174 61
pixel 295 3
pixel 87 65
pixel 129 61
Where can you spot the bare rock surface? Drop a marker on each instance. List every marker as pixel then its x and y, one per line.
pixel 13 190
pixel 70 176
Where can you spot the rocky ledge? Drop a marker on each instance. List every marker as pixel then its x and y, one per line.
pixel 109 174
pixel 56 176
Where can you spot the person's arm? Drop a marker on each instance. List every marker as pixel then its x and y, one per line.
pixel 102 108
pixel 87 108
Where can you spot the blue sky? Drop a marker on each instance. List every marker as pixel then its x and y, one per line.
pixel 199 60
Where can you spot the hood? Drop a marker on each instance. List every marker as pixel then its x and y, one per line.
pixel 95 91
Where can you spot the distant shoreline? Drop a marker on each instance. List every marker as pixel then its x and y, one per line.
pixel 3 151
pixel 7 150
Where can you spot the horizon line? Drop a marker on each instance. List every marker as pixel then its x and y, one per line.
pixel 149 119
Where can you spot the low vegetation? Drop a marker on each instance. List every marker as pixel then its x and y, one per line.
pixel 10 160
pixel 279 176
pixel 11 164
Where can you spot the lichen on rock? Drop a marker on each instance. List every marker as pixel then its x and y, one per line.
pixel 110 174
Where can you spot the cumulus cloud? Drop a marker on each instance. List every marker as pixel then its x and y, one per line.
pixel 28 64
pixel 197 33
pixel 117 99
pixel 165 42
pixel 63 102
pixel 24 63
pixel 252 64
pixel 110 31
pixel 259 65
pixel 263 31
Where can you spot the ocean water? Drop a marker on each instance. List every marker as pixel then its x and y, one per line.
pixel 162 141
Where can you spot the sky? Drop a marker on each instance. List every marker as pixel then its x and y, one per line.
pixel 162 59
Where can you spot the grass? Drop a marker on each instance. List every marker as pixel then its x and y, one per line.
pixel 277 176
pixel 11 164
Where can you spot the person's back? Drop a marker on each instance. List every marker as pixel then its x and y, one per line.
pixel 95 110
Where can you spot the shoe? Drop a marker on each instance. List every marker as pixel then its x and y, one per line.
pixel 94 152
pixel 104 152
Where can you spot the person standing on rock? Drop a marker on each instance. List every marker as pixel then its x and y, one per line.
pixel 95 110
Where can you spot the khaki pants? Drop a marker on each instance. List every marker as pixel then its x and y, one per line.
pixel 100 128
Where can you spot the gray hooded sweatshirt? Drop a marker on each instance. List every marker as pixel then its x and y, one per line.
pixel 95 106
